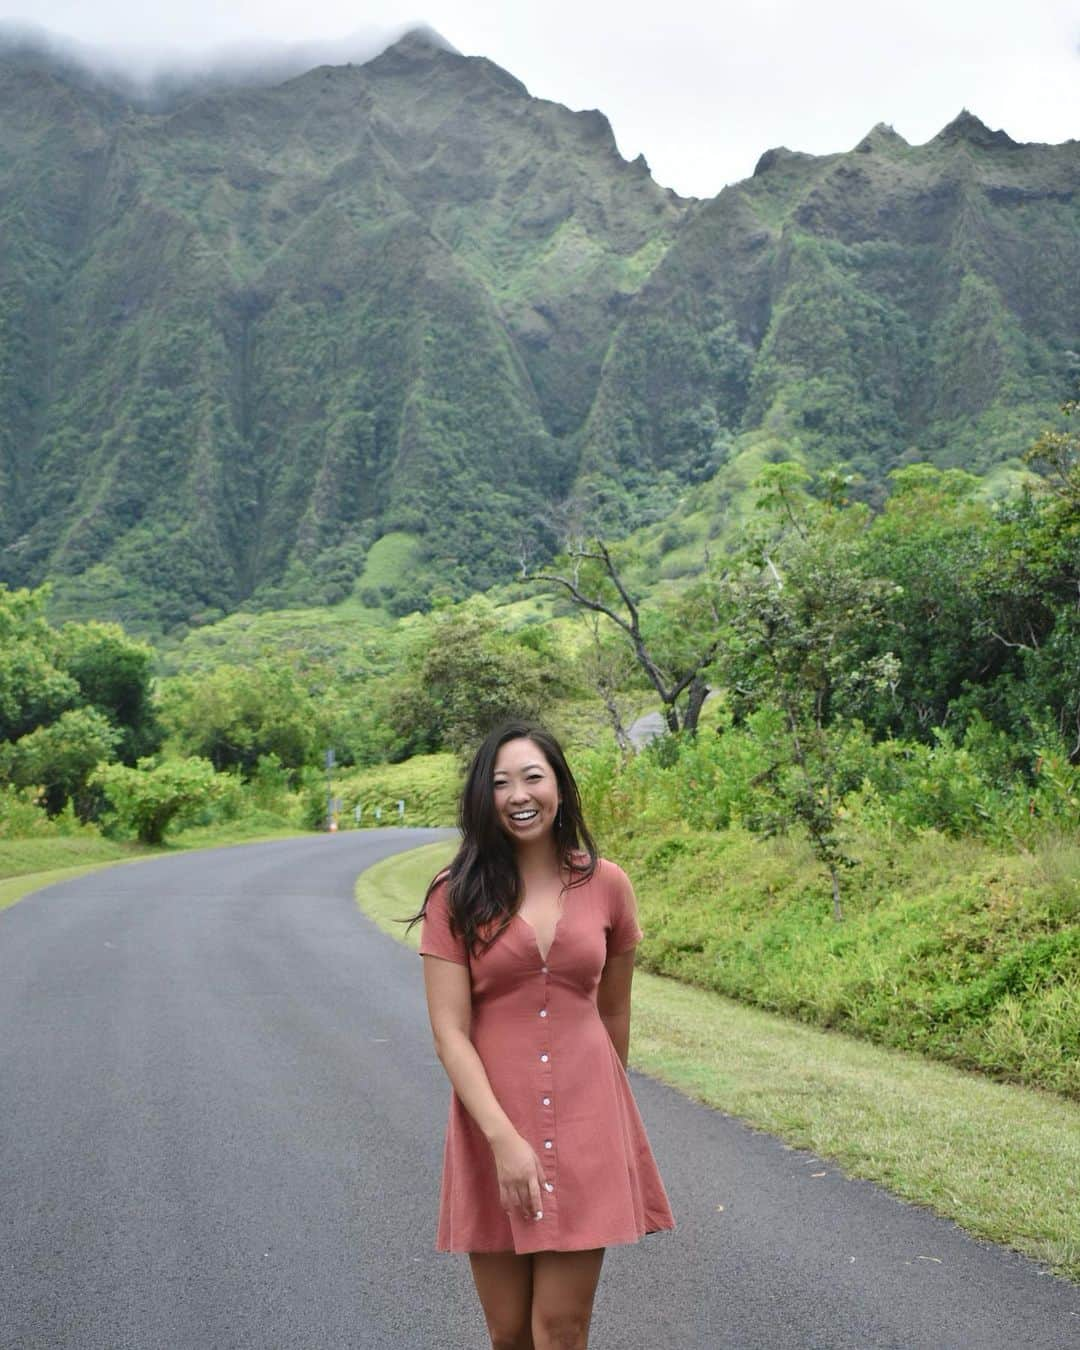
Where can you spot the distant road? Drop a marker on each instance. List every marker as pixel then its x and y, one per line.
pixel 221 1127
pixel 646 728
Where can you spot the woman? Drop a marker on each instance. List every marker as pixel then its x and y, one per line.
pixel 528 939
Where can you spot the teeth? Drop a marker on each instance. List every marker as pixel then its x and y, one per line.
pixel 522 815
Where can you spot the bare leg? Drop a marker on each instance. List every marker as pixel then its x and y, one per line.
pixel 504 1282
pixel 563 1288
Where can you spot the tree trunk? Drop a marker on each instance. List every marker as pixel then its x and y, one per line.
pixel 699 692
pixel 837 912
pixel 622 738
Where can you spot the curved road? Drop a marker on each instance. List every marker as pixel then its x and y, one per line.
pixel 221 1127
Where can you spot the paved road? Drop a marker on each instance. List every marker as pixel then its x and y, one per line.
pixel 646 728
pixel 221 1127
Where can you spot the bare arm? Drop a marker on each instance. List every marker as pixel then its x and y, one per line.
pixel 449 1000
pixel 613 1001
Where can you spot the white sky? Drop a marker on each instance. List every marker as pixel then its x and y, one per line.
pixel 700 88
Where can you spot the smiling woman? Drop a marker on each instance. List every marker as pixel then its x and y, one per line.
pixel 529 943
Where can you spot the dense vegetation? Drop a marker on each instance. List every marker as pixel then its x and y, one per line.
pixel 381 335
pixel 258 345
pixel 873 828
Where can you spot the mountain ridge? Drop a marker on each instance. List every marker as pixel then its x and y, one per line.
pixel 244 338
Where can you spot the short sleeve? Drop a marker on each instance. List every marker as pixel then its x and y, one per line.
pixel 624 931
pixel 436 939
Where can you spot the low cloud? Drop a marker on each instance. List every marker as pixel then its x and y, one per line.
pixel 156 77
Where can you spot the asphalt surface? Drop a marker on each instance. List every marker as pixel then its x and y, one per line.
pixel 221 1126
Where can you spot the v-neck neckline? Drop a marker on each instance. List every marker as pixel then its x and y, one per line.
pixel 554 934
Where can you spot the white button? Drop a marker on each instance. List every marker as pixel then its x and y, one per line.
pixel 539 1213
pixel 543 1012
pixel 546 1101
pixel 543 1059
pixel 547 1143
pixel 548 1186
pixel 544 969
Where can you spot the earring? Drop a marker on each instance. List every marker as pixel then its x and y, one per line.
pixel 558 817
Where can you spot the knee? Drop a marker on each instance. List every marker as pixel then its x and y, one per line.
pixel 508 1338
pixel 561 1331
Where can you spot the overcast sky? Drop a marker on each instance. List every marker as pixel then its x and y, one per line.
pixel 702 88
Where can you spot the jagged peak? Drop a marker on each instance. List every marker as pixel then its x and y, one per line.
pixel 880 137
pixel 970 129
pixel 595 125
pixel 779 154
pixel 418 39
pixel 420 49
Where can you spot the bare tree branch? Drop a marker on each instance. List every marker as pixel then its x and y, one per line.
pixel 668 691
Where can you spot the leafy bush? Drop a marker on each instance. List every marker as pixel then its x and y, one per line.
pixel 152 798
pixel 428 785
pixel 23 816
pixel 234 715
pixel 60 758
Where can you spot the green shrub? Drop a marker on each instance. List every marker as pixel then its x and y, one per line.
pixel 23 816
pixel 152 798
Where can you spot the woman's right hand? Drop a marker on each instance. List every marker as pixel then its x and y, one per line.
pixel 520 1175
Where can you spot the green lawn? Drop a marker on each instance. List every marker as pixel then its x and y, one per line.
pixel 27 865
pixel 1003 1161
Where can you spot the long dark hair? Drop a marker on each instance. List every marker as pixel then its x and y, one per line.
pixel 483 884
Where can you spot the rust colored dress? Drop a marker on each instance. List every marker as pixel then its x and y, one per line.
pixel 556 1074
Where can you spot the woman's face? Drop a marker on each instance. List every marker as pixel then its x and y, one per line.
pixel 526 791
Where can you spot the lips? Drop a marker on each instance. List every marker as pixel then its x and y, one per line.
pixel 523 817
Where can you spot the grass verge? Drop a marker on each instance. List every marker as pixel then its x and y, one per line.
pixel 1002 1161
pixel 28 865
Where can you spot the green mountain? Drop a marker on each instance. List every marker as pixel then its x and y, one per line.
pixel 892 303
pixel 247 336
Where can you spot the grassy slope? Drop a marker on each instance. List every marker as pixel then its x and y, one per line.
pixel 427 784
pixel 1002 1161
pixel 948 947
pixel 27 865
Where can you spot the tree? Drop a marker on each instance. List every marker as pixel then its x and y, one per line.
pixel 1044 569
pixel 115 675
pixel 151 798
pixel 34 690
pixel 798 609
pixel 61 757
pixel 465 677
pixel 235 714
pixel 673 647
pixel 940 542
pixel 608 665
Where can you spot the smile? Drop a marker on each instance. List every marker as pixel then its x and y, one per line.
pixel 523 815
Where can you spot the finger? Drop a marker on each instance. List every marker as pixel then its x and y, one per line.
pixel 535 1194
pixel 527 1201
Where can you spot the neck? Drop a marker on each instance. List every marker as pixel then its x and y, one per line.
pixel 539 859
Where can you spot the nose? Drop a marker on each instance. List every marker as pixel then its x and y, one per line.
pixel 519 793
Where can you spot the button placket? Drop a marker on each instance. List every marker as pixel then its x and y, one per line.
pixel 547 1100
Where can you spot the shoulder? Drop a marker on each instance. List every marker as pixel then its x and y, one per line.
pixel 613 886
pixel 611 874
pixel 437 901
pixel 439 884
pixel 439 935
